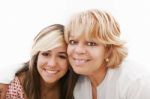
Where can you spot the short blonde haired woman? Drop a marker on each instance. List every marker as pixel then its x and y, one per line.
pixel 97 54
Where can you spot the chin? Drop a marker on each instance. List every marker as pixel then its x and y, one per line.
pixel 52 81
pixel 80 72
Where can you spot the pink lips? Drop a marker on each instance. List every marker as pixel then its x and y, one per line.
pixel 79 61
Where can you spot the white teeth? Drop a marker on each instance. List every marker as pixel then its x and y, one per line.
pixel 51 71
pixel 80 61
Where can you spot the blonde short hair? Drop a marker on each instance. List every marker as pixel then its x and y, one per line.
pixel 100 25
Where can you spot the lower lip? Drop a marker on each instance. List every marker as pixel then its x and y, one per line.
pixel 79 63
pixel 51 72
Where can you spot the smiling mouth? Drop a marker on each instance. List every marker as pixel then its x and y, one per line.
pixel 80 61
pixel 51 71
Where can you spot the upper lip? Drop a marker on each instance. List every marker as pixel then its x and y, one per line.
pixel 50 69
pixel 80 58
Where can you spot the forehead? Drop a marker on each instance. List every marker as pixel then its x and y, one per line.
pixel 61 47
pixel 58 49
pixel 88 31
pixel 83 35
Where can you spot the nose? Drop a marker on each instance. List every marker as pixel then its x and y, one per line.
pixel 80 49
pixel 52 62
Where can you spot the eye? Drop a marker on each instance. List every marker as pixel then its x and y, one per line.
pixel 91 44
pixel 72 42
pixel 63 56
pixel 45 54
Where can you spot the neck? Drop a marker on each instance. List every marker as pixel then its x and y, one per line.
pixel 98 76
pixel 46 86
pixel 50 90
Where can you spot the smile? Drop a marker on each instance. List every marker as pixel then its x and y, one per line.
pixel 51 71
pixel 80 61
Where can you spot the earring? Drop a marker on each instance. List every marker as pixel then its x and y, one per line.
pixel 107 60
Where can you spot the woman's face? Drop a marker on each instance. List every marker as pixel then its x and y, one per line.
pixel 53 64
pixel 86 57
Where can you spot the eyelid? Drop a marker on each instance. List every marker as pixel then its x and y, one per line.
pixel 62 56
pixel 91 43
pixel 72 42
pixel 45 53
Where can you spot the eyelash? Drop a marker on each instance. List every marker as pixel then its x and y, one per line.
pixel 45 54
pixel 91 44
pixel 61 56
pixel 72 42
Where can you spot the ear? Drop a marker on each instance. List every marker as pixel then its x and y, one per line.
pixel 108 51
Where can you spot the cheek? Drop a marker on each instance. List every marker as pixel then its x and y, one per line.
pixel 64 69
pixel 40 61
pixel 39 66
pixel 64 65
pixel 99 54
pixel 69 50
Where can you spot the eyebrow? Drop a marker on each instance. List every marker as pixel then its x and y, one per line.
pixel 71 36
pixel 62 52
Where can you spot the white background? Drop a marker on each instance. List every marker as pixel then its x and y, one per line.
pixel 21 20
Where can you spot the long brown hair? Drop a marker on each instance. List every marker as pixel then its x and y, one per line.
pixel 72 78
pixel 31 82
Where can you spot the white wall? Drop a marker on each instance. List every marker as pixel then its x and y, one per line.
pixel 21 20
pixel 134 18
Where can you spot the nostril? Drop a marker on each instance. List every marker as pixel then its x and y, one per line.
pixel 51 63
pixel 80 50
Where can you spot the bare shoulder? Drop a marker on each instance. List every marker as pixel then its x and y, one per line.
pixel 3 90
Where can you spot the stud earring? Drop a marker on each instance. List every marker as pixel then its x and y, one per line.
pixel 107 60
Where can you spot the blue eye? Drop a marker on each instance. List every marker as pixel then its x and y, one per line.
pixel 91 44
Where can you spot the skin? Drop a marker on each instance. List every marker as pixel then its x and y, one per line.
pixel 87 58
pixel 3 89
pixel 52 65
pixel 82 55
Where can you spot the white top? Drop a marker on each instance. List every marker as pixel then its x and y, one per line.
pixel 128 81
